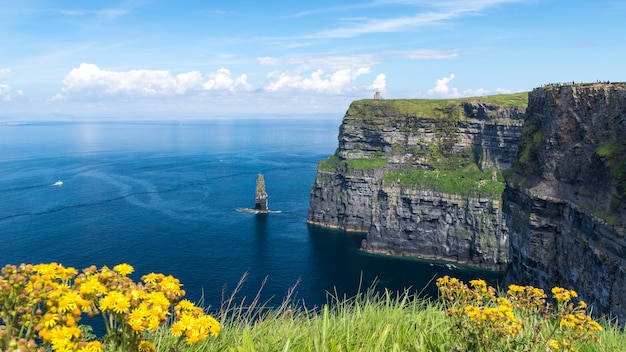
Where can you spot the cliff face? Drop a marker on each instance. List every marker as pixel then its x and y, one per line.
pixel 566 200
pixel 422 178
pixel 431 224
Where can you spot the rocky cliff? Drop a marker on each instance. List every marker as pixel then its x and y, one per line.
pixel 566 199
pixel 423 177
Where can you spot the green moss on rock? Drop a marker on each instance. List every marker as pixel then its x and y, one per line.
pixel 469 179
pixel 366 163
pixel 613 154
pixel 330 164
pixel 530 144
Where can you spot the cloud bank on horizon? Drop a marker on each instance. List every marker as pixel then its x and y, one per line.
pixel 155 58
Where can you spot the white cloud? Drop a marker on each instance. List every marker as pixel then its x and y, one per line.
pixel 380 83
pixel 221 80
pixel 187 82
pixel 6 92
pixel 503 91
pixel 90 80
pixel 443 89
pixel 474 92
pixel 318 82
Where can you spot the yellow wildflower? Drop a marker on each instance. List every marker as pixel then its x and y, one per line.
pixel 195 335
pixel 137 294
pixel 137 314
pixel 67 273
pixel 553 344
pixel 210 323
pixel 146 346
pixel 151 278
pixel 46 270
pixel 478 283
pixel 516 288
pixel 136 318
pixel 123 269
pixel 563 295
pixel 92 346
pixel 154 323
pixel 158 302
pixel 593 325
pixel 177 328
pixel 91 286
pixel 114 301
pixel 171 284
pixel 61 337
pixel 66 304
pixel 185 305
pixel 50 320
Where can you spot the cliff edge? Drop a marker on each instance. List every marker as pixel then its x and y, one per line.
pixel 565 200
pixel 423 177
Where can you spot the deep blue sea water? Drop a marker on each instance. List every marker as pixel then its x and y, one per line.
pixel 162 197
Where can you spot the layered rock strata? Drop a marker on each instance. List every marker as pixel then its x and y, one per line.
pixel 372 182
pixel 566 200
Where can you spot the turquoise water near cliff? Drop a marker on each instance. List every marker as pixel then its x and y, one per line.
pixel 161 196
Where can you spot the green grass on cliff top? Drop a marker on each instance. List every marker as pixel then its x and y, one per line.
pixel 434 108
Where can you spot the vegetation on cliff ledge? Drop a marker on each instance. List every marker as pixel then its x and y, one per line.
pixel 529 148
pixel 448 172
pixel 468 180
pixel 613 154
pixel 330 164
pixel 334 164
pixel 455 173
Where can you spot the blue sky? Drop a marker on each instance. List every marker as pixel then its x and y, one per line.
pixel 196 59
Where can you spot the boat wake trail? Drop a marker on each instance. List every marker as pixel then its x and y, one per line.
pixel 26 188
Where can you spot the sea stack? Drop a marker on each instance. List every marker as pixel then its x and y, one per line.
pixel 260 195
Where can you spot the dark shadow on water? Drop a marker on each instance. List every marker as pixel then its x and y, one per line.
pixel 260 224
pixel 262 256
pixel 341 266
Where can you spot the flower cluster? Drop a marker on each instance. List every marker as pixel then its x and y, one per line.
pixel 192 324
pixel 43 303
pixel 563 295
pixel 486 321
pixel 574 321
pixel 531 298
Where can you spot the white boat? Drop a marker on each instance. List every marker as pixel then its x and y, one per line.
pixel 58 183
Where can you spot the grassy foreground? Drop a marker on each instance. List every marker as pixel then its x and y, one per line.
pixel 41 307
pixel 402 322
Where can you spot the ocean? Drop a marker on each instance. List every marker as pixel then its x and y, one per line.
pixel 162 196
